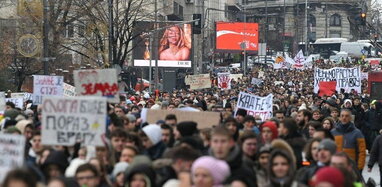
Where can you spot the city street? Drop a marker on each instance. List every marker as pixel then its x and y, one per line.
pixel 374 173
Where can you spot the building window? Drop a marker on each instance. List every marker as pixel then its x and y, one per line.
pixel 312 20
pixel 335 34
pixel 335 20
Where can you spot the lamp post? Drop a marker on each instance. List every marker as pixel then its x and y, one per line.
pixel 45 58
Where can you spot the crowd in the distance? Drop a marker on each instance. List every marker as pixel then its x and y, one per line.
pixel 310 141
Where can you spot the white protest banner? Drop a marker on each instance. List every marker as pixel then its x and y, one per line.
pixel 256 105
pixel 67 120
pixel 69 90
pixel 11 153
pixel 199 81
pixel 26 96
pixel 256 81
pixel 364 76
pixel 46 85
pixel 346 78
pixel 236 77
pixel 224 81
pixel 261 74
pixel 97 82
pixel 2 102
pixel 19 102
pixel 299 60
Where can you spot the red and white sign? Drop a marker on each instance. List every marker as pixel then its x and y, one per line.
pixel 232 35
pixel 224 80
pixel 97 82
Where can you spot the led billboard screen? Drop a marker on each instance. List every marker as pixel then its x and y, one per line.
pixel 173 47
pixel 234 36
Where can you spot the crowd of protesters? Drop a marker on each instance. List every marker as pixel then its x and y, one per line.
pixel 310 141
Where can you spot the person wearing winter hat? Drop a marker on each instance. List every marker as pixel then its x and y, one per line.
pixel 268 132
pixel 209 172
pixel 118 174
pixel 142 175
pixel 185 128
pixel 151 136
pixel 262 167
pixel 328 177
pixel 281 168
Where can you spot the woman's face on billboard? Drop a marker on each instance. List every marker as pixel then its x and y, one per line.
pixel 173 35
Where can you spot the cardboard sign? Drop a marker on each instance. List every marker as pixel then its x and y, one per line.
pixel 256 105
pixel 204 119
pixel 2 102
pixel 67 120
pixel 11 153
pixel 224 80
pixel 44 85
pixel 97 82
pixel 19 102
pixel 346 78
pixel 198 81
pixel 256 81
pixel 69 90
pixel 236 77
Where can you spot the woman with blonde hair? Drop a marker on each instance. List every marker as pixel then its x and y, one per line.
pixel 174 44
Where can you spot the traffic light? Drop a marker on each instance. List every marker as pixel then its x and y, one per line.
pixel 197 25
pixel 363 18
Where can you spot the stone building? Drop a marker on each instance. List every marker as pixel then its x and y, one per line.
pixel 319 19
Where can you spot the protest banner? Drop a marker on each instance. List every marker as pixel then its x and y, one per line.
pixel 67 120
pixel 198 81
pixel 46 85
pixel 19 102
pixel 256 81
pixel 26 96
pixel 2 102
pixel 97 82
pixel 364 76
pixel 346 78
pixel 224 80
pixel 236 77
pixel 204 119
pixel 299 60
pixel 261 74
pixel 256 105
pixel 69 90
pixel 11 153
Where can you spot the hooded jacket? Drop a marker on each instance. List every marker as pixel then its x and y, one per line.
pixel 287 181
pixel 350 140
pixel 143 169
pixel 239 171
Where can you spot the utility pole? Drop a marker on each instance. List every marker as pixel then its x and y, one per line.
pixel 306 28
pixel 156 46
pixel 284 30
pixel 111 32
pixel 45 58
pixel 245 39
pixel 150 68
pixel 266 29
pixel 326 19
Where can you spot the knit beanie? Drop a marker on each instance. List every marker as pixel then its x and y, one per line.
pixel 218 169
pixel 120 167
pixel 271 125
pixel 330 175
pixel 187 128
pixel 153 132
pixel 11 113
pixel 329 145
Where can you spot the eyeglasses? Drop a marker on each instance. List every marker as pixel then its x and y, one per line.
pixel 86 177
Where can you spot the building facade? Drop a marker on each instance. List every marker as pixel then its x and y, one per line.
pixel 298 21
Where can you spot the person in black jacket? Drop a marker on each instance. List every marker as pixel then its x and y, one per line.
pixel 376 155
pixel 288 130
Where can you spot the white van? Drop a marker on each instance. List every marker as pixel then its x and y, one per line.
pixel 357 49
